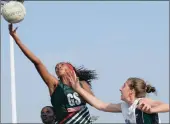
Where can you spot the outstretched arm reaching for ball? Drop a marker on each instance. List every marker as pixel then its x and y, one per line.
pixel 46 76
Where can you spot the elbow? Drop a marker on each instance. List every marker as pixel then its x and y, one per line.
pixel 101 109
pixel 98 107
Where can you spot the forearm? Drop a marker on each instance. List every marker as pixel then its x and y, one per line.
pixel 98 104
pixel 26 51
pixel 156 103
pixel 160 108
pixel 45 75
pixel 152 103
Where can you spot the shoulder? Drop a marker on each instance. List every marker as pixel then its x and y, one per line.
pixel 124 106
pixel 55 83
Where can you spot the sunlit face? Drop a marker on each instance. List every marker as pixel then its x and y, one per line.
pixel 61 69
pixel 47 115
pixel 125 91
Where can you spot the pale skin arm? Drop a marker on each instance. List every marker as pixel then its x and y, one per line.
pixel 98 104
pixel 95 102
pixel 50 80
pixel 86 87
pixel 160 108
pixel 152 103
pixel 156 106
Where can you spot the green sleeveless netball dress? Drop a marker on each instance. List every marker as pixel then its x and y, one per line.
pixel 69 106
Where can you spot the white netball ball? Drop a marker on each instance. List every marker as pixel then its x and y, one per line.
pixel 13 12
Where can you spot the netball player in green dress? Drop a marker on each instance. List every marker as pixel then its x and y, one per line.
pixel 68 106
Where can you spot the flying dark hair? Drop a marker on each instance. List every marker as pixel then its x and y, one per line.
pixel 85 75
pixel 82 73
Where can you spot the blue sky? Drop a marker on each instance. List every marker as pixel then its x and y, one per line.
pixel 117 39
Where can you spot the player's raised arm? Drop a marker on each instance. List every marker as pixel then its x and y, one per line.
pixel 46 76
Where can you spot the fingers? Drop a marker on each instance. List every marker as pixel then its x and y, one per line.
pixel 140 104
pixel 15 29
pixel 72 78
pixel 10 26
pixel 68 76
pixel 145 108
pixel 74 75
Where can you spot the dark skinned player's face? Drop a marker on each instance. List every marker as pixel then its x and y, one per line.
pixel 61 69
pixel 47 115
